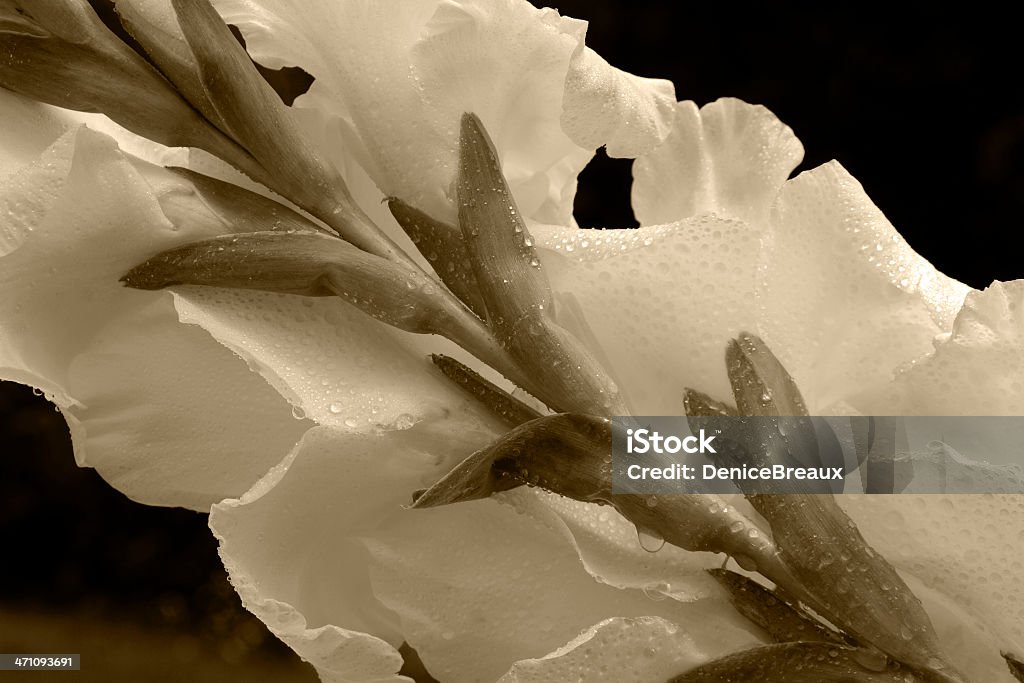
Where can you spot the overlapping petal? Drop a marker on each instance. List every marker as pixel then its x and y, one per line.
pixel 162 411
pixel 810 264
pixel 394 79
pixel 975 369
pixel 324 540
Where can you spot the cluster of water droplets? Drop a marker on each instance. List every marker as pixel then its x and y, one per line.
pixel 333 364
pixel 917 533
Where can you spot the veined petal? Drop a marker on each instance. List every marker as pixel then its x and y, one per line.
pixel 729 158
pixel 160 409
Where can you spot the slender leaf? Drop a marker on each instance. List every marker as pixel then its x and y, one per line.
pixel 161 38
pixel 510 409
pixel 254 113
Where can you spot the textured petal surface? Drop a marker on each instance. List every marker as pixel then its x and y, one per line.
pixel 843 299
pixel 29 128
pixel 605 106
pixel 966 551
pixel 809 264
pixel 160 409
pixel 611 552
pixel 661 301
pixel 395 78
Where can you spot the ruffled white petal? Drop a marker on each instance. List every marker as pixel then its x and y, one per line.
pixel 628 114
pixel 976 369
pixel 29 128
pixel 810 264
pixel 480 585
pixel 729 158
pixel 158 408
pixel 842 298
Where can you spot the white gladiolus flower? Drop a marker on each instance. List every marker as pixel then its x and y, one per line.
pixel 303 425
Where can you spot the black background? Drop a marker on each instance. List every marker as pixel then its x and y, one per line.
pixel 923 105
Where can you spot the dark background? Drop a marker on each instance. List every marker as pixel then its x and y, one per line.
pixel 923 106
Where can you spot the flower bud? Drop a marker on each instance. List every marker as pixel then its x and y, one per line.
pixel 515 290
pixel 60 53
pixel 255 116
pixel 305 263
pixel 443 247
pixel 569 454
pixel 854 587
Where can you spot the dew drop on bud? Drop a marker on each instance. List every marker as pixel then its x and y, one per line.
pixel 298 413
pixel 872 660
pixel 335 408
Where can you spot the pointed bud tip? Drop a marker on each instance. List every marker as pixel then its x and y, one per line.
pixel 139 278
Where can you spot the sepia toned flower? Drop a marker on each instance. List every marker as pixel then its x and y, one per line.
pixel 270 359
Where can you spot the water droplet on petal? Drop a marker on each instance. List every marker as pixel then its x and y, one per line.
pixel 650 541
